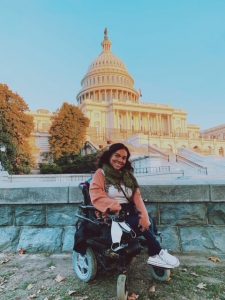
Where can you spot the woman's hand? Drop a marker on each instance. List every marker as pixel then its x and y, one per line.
pixel 144 224
pixel 115 208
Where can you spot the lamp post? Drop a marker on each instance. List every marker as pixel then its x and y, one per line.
pixel 2 149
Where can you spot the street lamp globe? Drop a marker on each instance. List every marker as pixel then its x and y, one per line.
pixel 3 148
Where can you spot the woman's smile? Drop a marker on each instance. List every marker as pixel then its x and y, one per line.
pixel 118 159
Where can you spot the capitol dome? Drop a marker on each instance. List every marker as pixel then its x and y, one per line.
pixel 107 78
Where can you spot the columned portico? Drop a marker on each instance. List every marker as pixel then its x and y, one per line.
pixel 108 88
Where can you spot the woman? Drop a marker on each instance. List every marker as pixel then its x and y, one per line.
pixel 114 188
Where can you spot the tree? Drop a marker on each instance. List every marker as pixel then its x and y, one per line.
pixel 15 129
pixel 67 132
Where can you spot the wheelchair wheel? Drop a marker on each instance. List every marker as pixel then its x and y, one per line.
pixel 85 266
pixel 122 292
pixel 160 274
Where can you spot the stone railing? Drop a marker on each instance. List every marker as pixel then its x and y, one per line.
pixel 57 178
pixel 41 219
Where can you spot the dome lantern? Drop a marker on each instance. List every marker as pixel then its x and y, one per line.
pixel 106 43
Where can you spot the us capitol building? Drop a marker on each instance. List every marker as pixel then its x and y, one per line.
pixel 117 113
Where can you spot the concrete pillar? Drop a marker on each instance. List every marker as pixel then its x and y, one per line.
pixel 157 123
pixel 139 121
pixel 168 124
pixel 160 124
pixel 118 119
pixel 127 121
pixel 149 122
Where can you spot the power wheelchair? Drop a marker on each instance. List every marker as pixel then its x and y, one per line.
pixel 92 250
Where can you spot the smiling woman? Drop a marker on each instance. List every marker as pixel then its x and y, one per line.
pixel 118 159
pixel 115 190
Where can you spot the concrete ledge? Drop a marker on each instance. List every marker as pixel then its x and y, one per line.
pixel 34 195
pixel 217 192
pixel 176 193
pixel 153 193
pixel 75 194
pixel 42 219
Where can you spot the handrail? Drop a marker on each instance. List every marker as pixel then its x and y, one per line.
pixel 152 170
pixel 139 158
pixel 190 162
pixel 181 172
pixel 166 156
pixel 48 178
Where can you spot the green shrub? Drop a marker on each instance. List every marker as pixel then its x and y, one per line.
pixel 50 169
pixel 74 165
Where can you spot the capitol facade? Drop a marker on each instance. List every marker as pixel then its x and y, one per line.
pixel 117 113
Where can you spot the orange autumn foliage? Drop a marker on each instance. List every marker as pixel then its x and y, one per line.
pixel 68 131
pixel 16 127
pixel 18 124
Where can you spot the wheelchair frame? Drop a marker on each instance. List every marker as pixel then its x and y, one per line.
pixel 97 253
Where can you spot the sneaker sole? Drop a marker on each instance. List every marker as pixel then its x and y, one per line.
pixel 164 266
pixel 175 265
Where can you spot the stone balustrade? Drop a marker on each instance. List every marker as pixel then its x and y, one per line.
pixel 41 219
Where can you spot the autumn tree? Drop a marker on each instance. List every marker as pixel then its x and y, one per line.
pixel 67 132
pixel 15 129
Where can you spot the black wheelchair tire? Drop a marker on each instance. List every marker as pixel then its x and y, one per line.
pixel 85 266
pixel 159 274
pixel 122 292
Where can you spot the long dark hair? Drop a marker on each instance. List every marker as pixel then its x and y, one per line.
pixel 106 155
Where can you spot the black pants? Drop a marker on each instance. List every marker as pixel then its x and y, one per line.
pixel 152 243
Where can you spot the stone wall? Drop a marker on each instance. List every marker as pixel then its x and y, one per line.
pixel 41 219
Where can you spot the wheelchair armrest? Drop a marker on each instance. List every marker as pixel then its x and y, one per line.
pixel 87 207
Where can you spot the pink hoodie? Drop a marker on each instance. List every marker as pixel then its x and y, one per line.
pixel 103 202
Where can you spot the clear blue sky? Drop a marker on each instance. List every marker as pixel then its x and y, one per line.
pixel 175 50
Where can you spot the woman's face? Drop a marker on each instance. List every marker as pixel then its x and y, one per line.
pixel 118 159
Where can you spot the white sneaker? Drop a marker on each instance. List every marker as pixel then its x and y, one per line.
pixel 157 261
pixel 117 246
pixel 169 259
